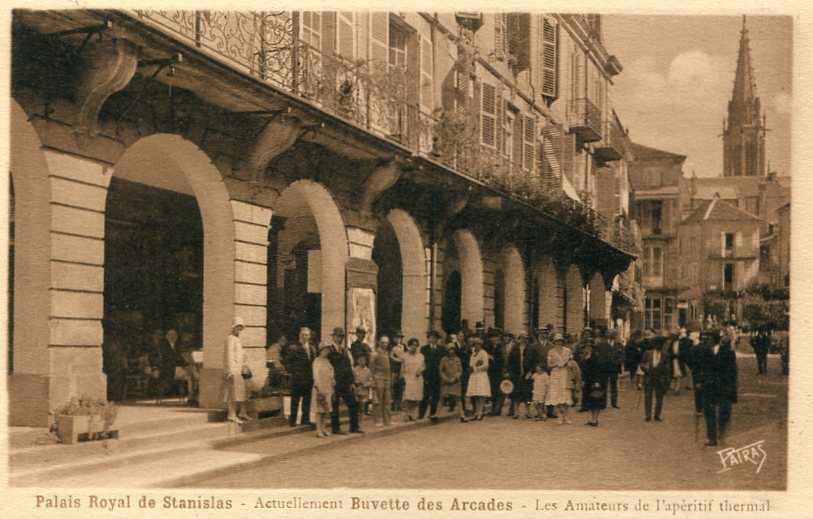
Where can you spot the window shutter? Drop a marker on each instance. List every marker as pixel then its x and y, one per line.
pixel 499 34
pixel 345 35
pixel 528 142
pixel 737 243
pixel 328 33
pixel 550 58
pixel 568 155
pixel 519 39
pixel 516 144
pixel 488 115
pixel 502 120
pixel 379 38
pixel 427 75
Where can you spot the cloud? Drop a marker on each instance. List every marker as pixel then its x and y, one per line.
pixel 678 107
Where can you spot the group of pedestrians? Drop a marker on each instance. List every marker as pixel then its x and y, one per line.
pixel 546 374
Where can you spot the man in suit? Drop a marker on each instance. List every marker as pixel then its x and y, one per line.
pixel 616 355
pixel 342 361
pixel 717 364
pixel 656 365
pixel 432 355
pixel 297 358
pixel 495 348
pixel 360 347
pixel 761 343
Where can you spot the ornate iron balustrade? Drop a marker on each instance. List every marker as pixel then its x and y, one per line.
pixel 585 119
pixel 264 45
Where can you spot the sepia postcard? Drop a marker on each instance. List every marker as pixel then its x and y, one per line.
pixel 520 260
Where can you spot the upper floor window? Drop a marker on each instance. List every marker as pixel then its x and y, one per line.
pixel 488 115
pixel 729 241
pixel 310 28
pixel 728 276
pixel 653 261
pixel 652 217
pixel 397 48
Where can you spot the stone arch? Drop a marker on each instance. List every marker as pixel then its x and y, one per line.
pixel 574 287
pixel 320 203
pixel 471 271
pixel 599 310
pixel 548 281
pixel 195 174
pixel 414 274
pixel 28 384
pixel 514 304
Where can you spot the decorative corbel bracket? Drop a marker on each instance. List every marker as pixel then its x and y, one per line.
pixel 380 180
pixel 276 137
pixel 107 67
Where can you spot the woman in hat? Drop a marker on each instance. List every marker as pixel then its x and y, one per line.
pixel 235 386
pixel 412 369
pixel 322 394
pixel 479 387
pixel 450 372
pixel 559 394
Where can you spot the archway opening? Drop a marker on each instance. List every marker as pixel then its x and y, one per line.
pixel 390 281
pixel 307 254
pixel 153 275
pixel 575 316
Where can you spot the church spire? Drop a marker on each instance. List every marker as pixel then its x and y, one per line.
pixel 744 128
pixel 745 87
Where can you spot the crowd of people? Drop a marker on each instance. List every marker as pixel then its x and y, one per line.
pixel 474 374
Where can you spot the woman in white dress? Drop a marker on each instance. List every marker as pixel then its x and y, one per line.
pixel 559 393
pixel 479 387
pixel 412 369
pixel 324 381
pixel 234 385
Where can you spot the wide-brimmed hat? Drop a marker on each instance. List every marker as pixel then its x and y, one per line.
pixel 433 333
pixel 338 331
pixel 360 330
pixel 558 337
pixel 238 321
pixel 522 337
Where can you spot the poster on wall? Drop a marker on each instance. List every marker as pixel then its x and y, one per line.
pixel 362 312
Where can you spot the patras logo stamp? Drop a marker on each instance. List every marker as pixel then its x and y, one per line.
pixel 753 453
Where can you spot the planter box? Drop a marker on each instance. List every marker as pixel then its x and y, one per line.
pixel 73 429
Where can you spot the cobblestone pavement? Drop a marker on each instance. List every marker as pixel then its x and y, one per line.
pixel 624 452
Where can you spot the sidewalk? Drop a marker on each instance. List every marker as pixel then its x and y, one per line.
pixel 168 447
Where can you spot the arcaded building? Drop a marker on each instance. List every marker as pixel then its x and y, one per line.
pixel 174 169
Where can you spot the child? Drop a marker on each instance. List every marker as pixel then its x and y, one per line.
pixel 322 394
pixel 363 378
pixel 541 381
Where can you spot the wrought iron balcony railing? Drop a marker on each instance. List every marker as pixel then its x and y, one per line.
pixel 373 96
pixel 611 146
pixel 585 119
pixel 377 98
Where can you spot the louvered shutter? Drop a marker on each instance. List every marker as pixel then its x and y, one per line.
pixel 550 57
pixel 346 35
pixel 499 34
pixel 528 142
pixel 516 144
pixel 427 75
pixel 328 32
pixel 379 38
pixel 568 155
pixel 488 115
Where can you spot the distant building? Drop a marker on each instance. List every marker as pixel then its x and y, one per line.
pixel 658 185
pixel 718 256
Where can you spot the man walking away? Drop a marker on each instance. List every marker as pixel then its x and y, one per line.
pixel 616 356
pixel 718 380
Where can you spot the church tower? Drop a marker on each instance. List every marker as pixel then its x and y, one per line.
pixel 744 131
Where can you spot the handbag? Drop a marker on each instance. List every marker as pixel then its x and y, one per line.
pixel 246 373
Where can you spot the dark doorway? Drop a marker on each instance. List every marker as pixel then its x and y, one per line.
pixel 499 299
pixel 153 280
pixel 390 282
pixel 452 293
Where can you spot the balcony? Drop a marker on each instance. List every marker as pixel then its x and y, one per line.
pixel 585 120
pixel 263 45
pixel 611 146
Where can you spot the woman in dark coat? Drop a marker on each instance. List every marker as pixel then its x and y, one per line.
pixel 595 375
pixel 521 364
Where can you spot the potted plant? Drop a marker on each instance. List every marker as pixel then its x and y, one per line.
pixel 84 419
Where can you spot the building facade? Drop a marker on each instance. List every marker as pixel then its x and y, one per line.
pixel 173 169
pixel 719 248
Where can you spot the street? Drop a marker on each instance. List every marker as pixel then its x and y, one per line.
pixel 623 453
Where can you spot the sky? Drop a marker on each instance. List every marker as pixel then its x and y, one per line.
pixel 678 75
